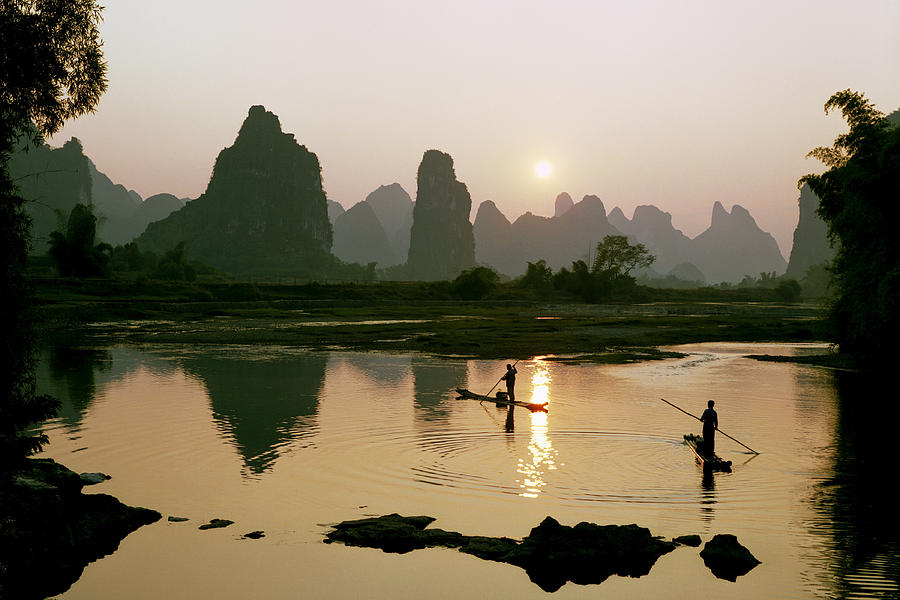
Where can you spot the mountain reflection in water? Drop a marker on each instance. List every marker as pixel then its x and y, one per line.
pixel 283 440
pixel 263 405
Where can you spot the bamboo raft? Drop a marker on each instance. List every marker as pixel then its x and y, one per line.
pixel 711 462
pixel 500 399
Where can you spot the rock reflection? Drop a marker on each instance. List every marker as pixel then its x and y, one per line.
pixel 385 370
pixel 433 385
pixel 262 405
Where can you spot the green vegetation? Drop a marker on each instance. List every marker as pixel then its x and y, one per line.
pixel 74 252
pixel 859 195
pixel 788 290
pixel 174 266
pixel 616 258
pixel 51 70
pixel 423 317
pixel 609 279
pixel 475 283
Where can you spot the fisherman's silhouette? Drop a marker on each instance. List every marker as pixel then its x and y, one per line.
pixel 710 423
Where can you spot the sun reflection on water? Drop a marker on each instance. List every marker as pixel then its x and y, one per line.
pixel 543 454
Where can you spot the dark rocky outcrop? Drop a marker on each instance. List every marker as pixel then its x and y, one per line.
pixel 811 246
pixel 551 554
pixel 692 540
pixel 562 205
pixel 734 246
pixel 587 553
pixel 94 478
pixel 263 212
pixel 727 558
pixel 49 530
pixel 360 238
pixel 441 240
pixel 216 524
pixel 391 533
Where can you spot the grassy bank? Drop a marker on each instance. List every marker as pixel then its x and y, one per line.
pixel 419 317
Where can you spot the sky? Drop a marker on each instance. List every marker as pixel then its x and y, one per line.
pixel 676 104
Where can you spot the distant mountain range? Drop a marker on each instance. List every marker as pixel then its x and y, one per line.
pixel 265 210
pixel 53 180
pixel 376 229
pixel 558 240
pixel 732 246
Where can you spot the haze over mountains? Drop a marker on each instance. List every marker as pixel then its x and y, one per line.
pixel 265 211
pixel 55 179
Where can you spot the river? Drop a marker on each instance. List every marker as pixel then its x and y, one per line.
pixel 286 442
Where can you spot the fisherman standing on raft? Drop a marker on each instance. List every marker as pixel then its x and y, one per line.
pixel 510 379
pixel 710 424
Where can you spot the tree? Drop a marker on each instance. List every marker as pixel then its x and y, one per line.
pixel 475 283
pixel 52 66
pixel 858 202
pixel 174 266
pixel 51 70
pixel 616 257
pixel 538 276
pixel 788 290
pixel 74 251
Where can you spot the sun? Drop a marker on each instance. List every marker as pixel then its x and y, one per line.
pixel 543 169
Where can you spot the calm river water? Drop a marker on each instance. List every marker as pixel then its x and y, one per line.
pixel 285 442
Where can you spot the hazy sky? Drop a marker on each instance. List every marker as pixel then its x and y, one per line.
pixel 678 104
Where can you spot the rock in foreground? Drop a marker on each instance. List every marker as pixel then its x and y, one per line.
pixel 587 553
pixel 49 530
pixel 551 554
pixel 727 558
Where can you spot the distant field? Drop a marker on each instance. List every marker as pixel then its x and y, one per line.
pixel 417 317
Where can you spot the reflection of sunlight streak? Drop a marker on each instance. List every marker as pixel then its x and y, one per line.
pixel 543 454
pixel 540 382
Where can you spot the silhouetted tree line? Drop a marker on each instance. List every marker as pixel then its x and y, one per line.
pixel 74 250
pixel 475 283
pixel 51 70
pixel 859 203
pixel 608 278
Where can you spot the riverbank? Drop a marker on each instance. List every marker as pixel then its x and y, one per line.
pixel 404 317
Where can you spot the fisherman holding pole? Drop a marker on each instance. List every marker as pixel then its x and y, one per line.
pixel 510 378
pixel 710 424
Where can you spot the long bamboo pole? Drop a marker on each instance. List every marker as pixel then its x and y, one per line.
pixel 501 379
pixel 717 429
